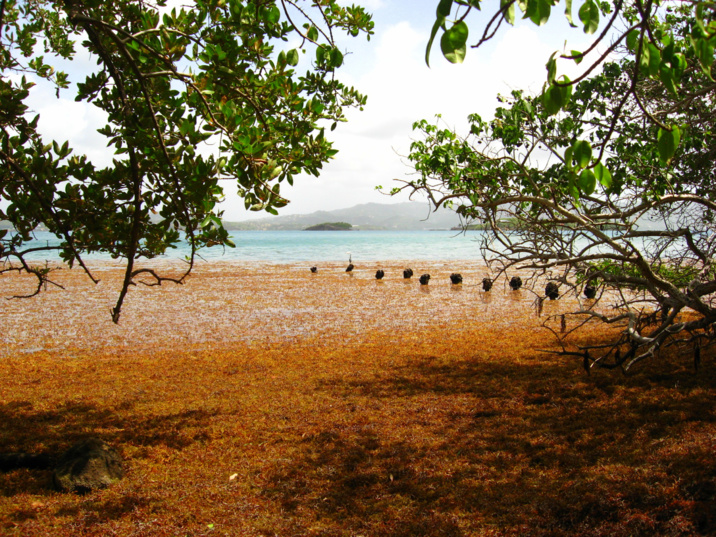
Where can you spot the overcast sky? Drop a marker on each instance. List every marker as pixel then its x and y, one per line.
pixel 391 71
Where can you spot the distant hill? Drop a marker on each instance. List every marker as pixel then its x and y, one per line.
pixel 396 216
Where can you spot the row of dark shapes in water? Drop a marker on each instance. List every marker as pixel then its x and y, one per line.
pixel 551 289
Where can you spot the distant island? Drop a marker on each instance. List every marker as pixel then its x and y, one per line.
pixel 330 226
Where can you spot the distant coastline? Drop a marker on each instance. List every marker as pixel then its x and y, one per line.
pixel 413 216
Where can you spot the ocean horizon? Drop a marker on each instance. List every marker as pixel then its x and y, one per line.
pixel 287 247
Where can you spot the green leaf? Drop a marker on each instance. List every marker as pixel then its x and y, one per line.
pixel 274 15
pixel 705 53
pixel 508 10
pixel 581 153
pixel 666 75
pixel 336 58
pixel 587 182
pixel 206 222
pixel 438 23
pixel 651 59
pixel 186 127
pixel 573 188
pixel 316 106
pixel 556 97
pixel 603 175
pixel 454 43
pixel 538 11
pixel 292 57
pixel 568 13
pixel 312 34
pixel 667 143
pixel 589 15
pixel 444 8
pixel 320 54
pixel 551 68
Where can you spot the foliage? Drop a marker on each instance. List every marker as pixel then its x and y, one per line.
pixel 171 84
pixel 656 48
pixel 609 178
pixel 339 406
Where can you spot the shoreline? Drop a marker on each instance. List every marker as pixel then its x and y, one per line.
pixel 241 303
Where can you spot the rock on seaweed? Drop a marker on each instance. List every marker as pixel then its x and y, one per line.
pixel 88 465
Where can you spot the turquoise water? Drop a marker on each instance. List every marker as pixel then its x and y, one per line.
pixel 317 246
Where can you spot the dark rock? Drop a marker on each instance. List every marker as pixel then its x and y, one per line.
pixel 455 278
pixel 314 269
pixel 551 291
pixel 515 283
pixel 379 274
pixel 590 291
pixel 486 284
pixel 408 273
pixel 88 465
pixel 424 279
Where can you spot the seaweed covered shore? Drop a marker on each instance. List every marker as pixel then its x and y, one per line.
pixel 268 400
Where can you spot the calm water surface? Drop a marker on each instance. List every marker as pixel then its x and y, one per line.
pixel 316 246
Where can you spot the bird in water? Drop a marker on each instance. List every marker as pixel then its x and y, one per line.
pixel 314 270
pixel 350 267
pixel 455 278
pixel 379 275
pixel 424 279
pixel 408 273
pixel 590 291
pixel 486 284
pixel 515 283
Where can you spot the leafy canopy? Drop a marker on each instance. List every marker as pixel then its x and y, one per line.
pixel 172 82
pixel 606 180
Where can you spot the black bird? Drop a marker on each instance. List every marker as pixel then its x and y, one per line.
pixel 379 275
pixel 314 269
pixel 350 267
pixel 408 273
pixel 590 291
pixel 486 284
pixel 552 290
pixel 455 278
pixel 515 283
pixel 424 279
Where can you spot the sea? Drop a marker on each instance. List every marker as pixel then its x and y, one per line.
pixel 288 247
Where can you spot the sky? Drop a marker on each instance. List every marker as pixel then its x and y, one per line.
pixel 401 89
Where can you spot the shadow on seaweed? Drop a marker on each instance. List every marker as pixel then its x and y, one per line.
pixel 362 482
pixel 532 449
pixel 51 432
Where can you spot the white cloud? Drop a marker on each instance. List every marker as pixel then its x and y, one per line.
pixel 402 89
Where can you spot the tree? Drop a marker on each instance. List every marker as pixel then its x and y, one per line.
pixel 606 181
pixel 221 72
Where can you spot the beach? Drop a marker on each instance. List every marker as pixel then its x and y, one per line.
pixel 262 399
pixel 223 303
